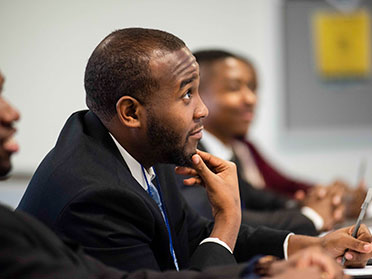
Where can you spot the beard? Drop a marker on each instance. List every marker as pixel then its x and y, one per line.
pixel 167 146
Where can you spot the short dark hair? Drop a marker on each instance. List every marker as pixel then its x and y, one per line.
pixel 212 55
pixel 207 57
pixel 119 66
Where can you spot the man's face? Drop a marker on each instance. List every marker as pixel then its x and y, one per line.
pixel 229 91
pixel 7 144
pixel 175 111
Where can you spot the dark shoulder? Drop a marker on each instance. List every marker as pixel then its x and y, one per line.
pixel 22 227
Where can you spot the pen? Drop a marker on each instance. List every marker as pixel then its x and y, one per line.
pixel 363 210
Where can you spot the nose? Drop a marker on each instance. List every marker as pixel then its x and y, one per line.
pixel 201 109
pixel 8 112
pixel 249 96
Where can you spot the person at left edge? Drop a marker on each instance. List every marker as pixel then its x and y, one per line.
pixel 145 112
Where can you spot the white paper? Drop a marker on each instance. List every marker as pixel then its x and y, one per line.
pixel 359 271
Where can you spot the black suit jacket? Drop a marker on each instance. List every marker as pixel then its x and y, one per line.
pixel 259 207
pixel 83 190
pixel 30 250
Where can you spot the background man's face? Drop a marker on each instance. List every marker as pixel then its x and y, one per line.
pixel 7 144
pixel 229 91
pixel 175 111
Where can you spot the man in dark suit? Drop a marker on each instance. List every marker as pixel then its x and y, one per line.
pixel 108 184
pixel 29 250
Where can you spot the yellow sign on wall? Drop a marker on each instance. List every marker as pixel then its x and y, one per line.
pixel 342 44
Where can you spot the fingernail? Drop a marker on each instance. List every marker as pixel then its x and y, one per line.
pixel 348 256
pixel 195 159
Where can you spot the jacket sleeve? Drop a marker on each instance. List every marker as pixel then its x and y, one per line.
pixel 284 219
pixel 261 240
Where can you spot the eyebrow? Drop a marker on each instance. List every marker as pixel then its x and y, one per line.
pixel 187 81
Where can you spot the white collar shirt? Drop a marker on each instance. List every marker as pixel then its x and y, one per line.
pixel 135 167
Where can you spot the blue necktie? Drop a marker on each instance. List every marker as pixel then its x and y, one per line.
pixel 156 197
pixel 154 194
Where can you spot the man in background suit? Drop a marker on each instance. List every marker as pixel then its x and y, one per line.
pixel 228 87
pixel 29 250
pixel 108 182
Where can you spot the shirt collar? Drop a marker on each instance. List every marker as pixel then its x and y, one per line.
pixel 216 147
pixel 135 167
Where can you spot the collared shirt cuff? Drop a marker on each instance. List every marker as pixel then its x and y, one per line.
pixel 285 245
pixel 218 241
pixel 314 217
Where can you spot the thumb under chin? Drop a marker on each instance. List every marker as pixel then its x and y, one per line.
pixel 195 159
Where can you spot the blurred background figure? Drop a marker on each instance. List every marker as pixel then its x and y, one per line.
pixel 228 87
pixel 8 145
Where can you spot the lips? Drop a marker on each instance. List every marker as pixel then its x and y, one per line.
pixel 247 114
pixel 198 133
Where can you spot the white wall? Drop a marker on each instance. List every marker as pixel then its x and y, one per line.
pixel 45 45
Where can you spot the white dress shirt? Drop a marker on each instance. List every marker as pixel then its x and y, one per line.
pixel 135 169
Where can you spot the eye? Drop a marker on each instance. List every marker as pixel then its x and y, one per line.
pixel 234 86
pixel 187 95
pixel 252 86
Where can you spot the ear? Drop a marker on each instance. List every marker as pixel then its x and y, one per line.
pixel 129 111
